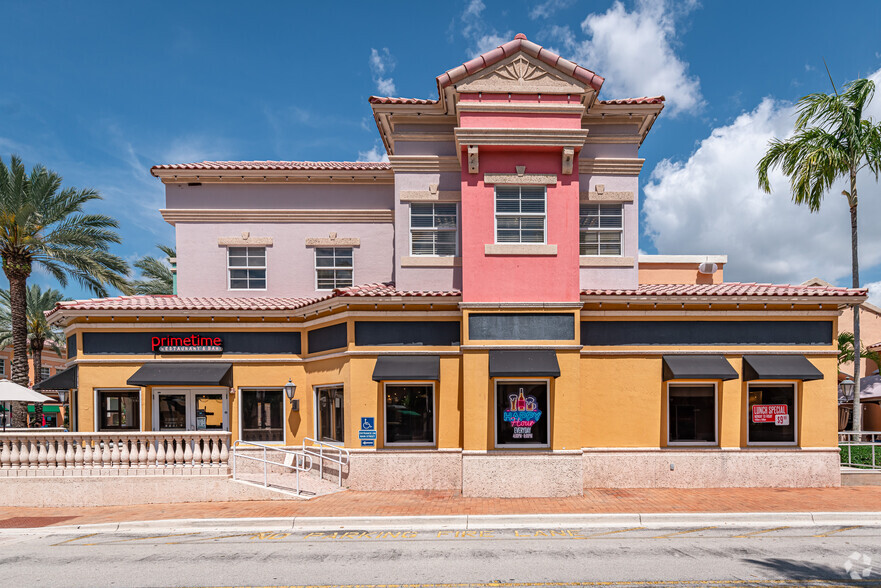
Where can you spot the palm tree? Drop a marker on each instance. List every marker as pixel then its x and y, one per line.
pixel 832 141
pixel 156 275
pixel 40 333
pixel 846 350
pixel 43 223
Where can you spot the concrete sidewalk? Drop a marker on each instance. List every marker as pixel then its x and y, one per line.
pixel 370 505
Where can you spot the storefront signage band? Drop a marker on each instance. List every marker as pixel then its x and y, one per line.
pixel 190 344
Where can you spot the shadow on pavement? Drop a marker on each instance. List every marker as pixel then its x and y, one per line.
pixel 804 570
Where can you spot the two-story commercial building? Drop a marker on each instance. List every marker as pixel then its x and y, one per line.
pixel 473 314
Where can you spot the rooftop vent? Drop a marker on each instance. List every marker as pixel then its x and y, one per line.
pixel 707 268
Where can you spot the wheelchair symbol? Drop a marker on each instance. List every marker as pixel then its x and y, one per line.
pixel 367 424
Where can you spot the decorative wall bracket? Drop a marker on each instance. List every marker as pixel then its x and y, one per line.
pixel 472 159
pixel 568 160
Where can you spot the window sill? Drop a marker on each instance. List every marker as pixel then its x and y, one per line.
pixel 605 261
pixel 519 249
pixel 430 261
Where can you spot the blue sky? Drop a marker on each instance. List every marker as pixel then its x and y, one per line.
pixel 99 92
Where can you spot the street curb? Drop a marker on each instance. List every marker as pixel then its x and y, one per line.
pixel 478 522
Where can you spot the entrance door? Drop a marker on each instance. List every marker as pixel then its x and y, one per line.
pixel 191 410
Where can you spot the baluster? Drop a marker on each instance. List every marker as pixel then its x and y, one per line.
pixel 160 452
pixel 197 452
pixel 123 454
pixel 61 454
pixel 114 453
pixel 215 453
pixel 188 453
pixel 88 453
pixel 24 453
pixel 142 451
pixel 106 454
pixel 179 452
pixel 14 454
pixel 169 452
pixel 74 456
pixel 5 455
pixel 151 451
pixel 224 452
pixel 50 453
pixel 42 455
pixel 34 457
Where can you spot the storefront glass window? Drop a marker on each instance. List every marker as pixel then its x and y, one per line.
pixel 330 414
pixel 409 413
pixel 771 413
pixel 522 415
pixel 692 413
pixel 119 411
pixel 262 415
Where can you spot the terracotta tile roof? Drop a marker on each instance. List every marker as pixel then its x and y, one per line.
pixel 643 100
pixel 277 165
pixel 388 289
pixel 392 100
pixel 519 43
pixel 732 289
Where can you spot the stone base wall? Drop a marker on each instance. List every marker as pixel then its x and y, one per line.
pixel 127 490
pixel 522 474
pixel 404 470
pixel 711 468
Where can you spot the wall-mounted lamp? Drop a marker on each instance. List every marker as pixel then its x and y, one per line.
pixel 847 389
pixel 290 389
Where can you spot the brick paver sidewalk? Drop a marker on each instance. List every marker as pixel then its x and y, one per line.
pixel 353 503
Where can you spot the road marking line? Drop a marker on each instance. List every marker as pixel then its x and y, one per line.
pixel 684 532
pixel 759 532
pixel 610 532
pixel 74 539
pixel 837 531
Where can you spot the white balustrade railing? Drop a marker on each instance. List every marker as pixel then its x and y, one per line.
pixel 119 453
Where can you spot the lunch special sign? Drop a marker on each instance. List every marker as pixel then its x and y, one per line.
pixel 771 413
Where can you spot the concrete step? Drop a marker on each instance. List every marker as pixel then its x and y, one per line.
pixel 860 477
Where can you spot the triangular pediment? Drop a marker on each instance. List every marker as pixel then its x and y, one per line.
pixel 522 74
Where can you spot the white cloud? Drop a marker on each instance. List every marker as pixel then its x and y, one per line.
pixel 711 204
pixel 548 8
pixel 635 52
pixel 375 153
pixel 382 63
pixel 874 292
pixel 482 36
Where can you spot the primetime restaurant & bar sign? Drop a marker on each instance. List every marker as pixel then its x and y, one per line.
pixel 189 344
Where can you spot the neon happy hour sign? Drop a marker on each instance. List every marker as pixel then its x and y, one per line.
pixel 522 412
pixel 188 344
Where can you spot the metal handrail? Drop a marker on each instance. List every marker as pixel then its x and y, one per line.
pixel 341 453
pixel 851 439
pixel 294 466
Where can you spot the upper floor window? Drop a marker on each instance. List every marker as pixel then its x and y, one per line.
pixel 520 214
pixel 333 267
pixel 44 373
pixel 433 228
pixel 602 227
pixel 247 268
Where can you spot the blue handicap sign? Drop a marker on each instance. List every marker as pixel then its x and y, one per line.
pixel 366 434
pixel 367 442
pixel 367 424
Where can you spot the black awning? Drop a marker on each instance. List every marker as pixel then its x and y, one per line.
pixel 523 363
pixel 779 367
pixel 191 373
pixel 65 380
pixel 698 367
pixel 407 367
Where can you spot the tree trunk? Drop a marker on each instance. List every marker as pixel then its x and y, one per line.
pixel 855 265
pixel 37 356
pixel 17 275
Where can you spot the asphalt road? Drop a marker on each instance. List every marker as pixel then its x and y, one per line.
pixel 501 558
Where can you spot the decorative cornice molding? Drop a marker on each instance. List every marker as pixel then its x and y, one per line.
pixel 521 73
pixel 430 261
pixel 425 163
pixel 600 195
pixel 240 215
pixel 599 261
pixel 246 239
pixel 429 196
pixel 519 249
pixel 515 137
pixel 521 107
pixel 183 176
pixel 614 139
pixel 333 241
pixel 525 179
pixel 610 166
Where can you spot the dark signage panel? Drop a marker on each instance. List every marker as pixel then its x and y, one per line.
pixel 71 346
pixel 706 333
pixel 521 326
pixel 407 333
pixel 332 337
pixel 150 343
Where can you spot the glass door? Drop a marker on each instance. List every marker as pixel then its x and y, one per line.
pixel 172 412
pixel 330 414
pixel 190 410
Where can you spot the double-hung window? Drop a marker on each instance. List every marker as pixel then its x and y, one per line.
pixel 433 228
pixel 333 267
pixel 521 214
pixel 247 268
pixel 602 227
pixel 44 373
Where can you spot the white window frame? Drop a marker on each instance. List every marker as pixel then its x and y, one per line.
pixel 48 371
pixel 98 409
pixel 694 384
pixel 315 432
pixel 516 446
pixel 793 418
pixel 620 230
pixel 434 229
pixel 264 267
pixel 284 414
pixel 2 367
pixel 496 214
pixel 385 385
pixel 316 268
